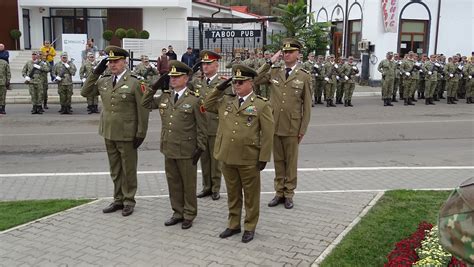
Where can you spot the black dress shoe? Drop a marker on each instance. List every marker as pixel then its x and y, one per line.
pixel 186 224
pixel 275 201
pixel 112 208
pixel 173 221
pixel 204 194
pixel 127 210
pixel 229 232
pixel 215 195
pixel 247 236
pixel 288 203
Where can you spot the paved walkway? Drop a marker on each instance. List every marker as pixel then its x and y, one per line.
pixel 328 202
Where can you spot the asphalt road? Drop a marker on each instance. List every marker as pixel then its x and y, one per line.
pixel 367 135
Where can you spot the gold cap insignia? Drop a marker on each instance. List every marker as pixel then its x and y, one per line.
pixel 287 45
pixel 173 69
pixel 111 53
pixel 238 73
pixel 206 56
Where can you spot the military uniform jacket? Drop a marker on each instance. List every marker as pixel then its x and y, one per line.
pixel 183 125
pixel 86 69
pixel 348 71
pixel 431 71
pixel 34 73
pixel 452 69
pixel 245 133
pixel 66 74
pixel 5 74
pixel 468 71
pixel 146 72
pixel 397 68
pixel 44 71
pixel 202 89
pixel 251 62
pixel 291 98
pixel 407 67
pixel 387 68
pixel 122 117
pixel 330 72
pixel 319 71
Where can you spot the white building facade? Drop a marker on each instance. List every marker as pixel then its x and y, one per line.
pixel 423 26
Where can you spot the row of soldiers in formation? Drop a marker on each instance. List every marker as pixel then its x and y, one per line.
pixel 35 73
pixel 430 77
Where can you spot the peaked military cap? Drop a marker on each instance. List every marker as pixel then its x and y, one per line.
pixel 64 54
pixel 208 56
pixel 115 52
pixel 178 68
pixel 237 55
pixel 242 72
pixel 290 44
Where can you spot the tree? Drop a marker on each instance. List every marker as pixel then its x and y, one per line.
pixel 120 33
pixel 15 34
pixel 131 33
pixel 302 26
pixel 108 35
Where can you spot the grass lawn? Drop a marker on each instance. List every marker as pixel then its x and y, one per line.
pixel 394 217
pixel 13 213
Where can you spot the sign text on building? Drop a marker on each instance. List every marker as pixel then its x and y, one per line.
pixel 232 33
pixel 389 13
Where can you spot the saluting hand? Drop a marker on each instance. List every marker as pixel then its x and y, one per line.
pixel 275 57
pixel 160 83
pixel 197 66
pixel 223 85
pixel 101 67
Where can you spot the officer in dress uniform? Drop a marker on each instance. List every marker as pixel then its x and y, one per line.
pixel 243 144
pixel 210 166
pixel 291 101
pixel 123 123
pixel 183 139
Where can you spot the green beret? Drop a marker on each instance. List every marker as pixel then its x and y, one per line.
pixel 242 72
pixel 115 52
pixel 290 44
pixel 178 68
pixel 208 56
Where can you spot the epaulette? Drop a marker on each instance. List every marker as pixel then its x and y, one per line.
pixel 134 76
pixel 166 91
pixel 105 75
pixel 263 98
pixel 231 95
pixel 276 66
pixel 193 93
pixel 304 70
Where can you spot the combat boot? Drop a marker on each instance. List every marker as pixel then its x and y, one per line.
pixel 61 110
pixel 69 110
pixel 422 95
pixel 40 109
pixel 64 110
pixel 468 100
pixel 427 101
pixel 453 99
pixel 405 102
pixel 385 102
pixel 90 109
pixel 331 103
pixel 34 110
pixel 389 103
pixel 2 109
pixel 410 103
pixel 435 97
pixel 431 101
pixel 394 98
pixel 319 101
pixel 419 95
pixel 45 104
pixel 327 103
pixel 345 103
pixel 413 99
pixel 349 103
pixel 96 109
pixel 441 96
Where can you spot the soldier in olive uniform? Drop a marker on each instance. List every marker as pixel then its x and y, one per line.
pixel 318 72
pixel 5 76
pixel 441 78
pixel 469 74
pixel 123 124
pixel 251 61
pixel 183 139
pixel 349 71
pixel 407 69
pixel 210 166
pixel 388 68
pixel 291 102
pixel 236 60
pixel 32 74
pixel 397 85
pixel 263 89
pixel 430 68
pixel 44 78
pixel 453 73
pixel 309 66
pixel 63 71
pixel 244 145
pixel 330 73
pixel 339 82
pixel 86 69
pixel 145 71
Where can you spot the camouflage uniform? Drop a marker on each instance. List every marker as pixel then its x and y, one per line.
pixel 44 78
pixel 452 73
pixel 388 68
pixel 318 72
pixel 309 65
pixel 455 223
pixel 84 72
pixel 469 75
pixel 5 76
pixel 348 72
pixel 330 86
pixel 145 73
pixel 32 73
pixel 65 72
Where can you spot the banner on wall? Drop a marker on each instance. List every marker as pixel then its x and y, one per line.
pixel 74 44
pixel 389 15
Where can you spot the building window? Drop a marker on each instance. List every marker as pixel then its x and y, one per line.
pixel 413 36
pixel 355 35
pixel 336 32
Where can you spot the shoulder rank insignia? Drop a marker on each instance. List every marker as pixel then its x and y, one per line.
pixel 263 98
pixel 134 76
pixel 167 91
pixel 304 70
pixel 142 87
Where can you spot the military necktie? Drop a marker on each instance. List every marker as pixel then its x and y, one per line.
pixel 176 96
pixel 241 100
pixel 208 81
pixel 115 81
pixel 287 72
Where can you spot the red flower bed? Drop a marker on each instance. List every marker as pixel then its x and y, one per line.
pixel 404 253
